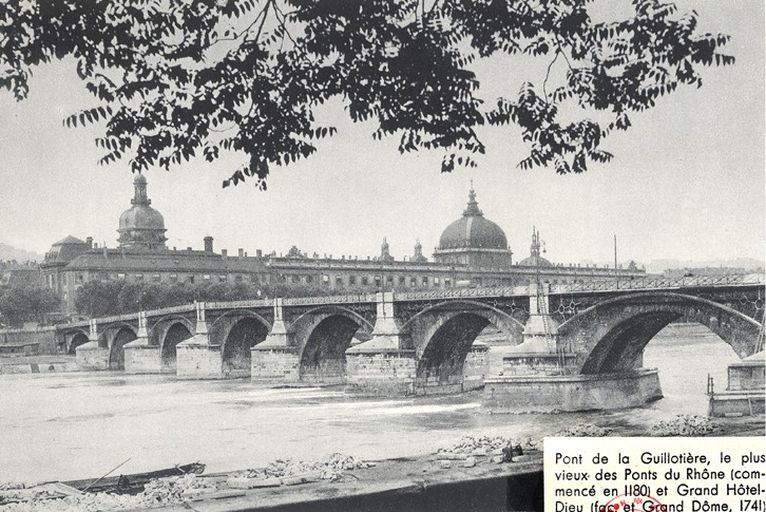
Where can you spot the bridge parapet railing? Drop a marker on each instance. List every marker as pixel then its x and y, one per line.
pixel 183 308
pixel 667 282
pixel 239 304
pixel 333 299
pixel 101 320
pixel 464 293
pixel 18 330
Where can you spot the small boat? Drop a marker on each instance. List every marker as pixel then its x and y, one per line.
pixel 133 483
pixel 122 484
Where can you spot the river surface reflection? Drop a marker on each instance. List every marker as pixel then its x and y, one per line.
pixel 83 424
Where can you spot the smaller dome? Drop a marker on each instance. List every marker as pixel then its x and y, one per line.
pixel 532 261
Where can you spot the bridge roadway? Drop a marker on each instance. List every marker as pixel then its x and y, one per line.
pixel 418 342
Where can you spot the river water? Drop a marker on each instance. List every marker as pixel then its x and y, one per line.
pixel 77 425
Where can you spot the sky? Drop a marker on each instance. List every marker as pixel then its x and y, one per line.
pixel 687 181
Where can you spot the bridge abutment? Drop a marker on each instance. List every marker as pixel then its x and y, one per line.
pixel 571 393
pixel 140 355
pixel 476 366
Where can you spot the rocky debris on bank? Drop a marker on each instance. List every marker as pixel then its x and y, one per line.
pixel 472 450
pixel 293 472
pixel 160 492
pixel 57 497
pixel 683 425
pixel 584 430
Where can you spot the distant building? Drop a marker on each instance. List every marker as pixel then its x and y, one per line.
pixel 13 274
pixel 472 251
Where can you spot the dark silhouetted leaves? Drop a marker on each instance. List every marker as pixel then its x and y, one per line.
pixel 177 79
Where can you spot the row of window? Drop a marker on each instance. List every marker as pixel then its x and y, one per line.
pixel 390 280
pixel 335 281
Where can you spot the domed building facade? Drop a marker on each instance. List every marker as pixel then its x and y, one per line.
pixel 474 240
pixel 141 226
pixel 472 251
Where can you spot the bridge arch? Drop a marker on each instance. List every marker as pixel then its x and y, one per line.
pixel 77 338
pixel 443 336
pixel 238 332
pixel 496 316
pixel 176 332
pixel 324 334
pixel 123 334
pixel 610 336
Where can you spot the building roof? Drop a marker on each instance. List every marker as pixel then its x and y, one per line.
pixel 69 240
pixel 65 250
pixel 165 261
pixel 472 230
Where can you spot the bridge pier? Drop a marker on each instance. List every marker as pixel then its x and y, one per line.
pixel 276 359
pixel 540 352
pixel 476 366
pixel 91 355
pixel 380 366
pixel 140 355
pixel 197 357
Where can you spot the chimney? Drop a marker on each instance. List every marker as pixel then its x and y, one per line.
pixel 208 240
pixel 95 246
pixel 224 252
pixel 258 253
pixel 188 248
pixel 240 252
pixel 89 241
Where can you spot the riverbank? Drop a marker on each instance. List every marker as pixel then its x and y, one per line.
pixel 477 473
pixel 15 365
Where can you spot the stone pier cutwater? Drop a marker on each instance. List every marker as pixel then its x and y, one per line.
pixel 276 359
pixel 92 355
pixel 141 356
pixel 385 364
pixel 199 357
pixel 424 342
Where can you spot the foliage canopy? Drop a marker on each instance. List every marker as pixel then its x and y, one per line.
pixel 19 304
pixel 175 79
pixel 104 298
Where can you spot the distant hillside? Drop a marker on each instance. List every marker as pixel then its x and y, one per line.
pixel 8 252
pixel 661 265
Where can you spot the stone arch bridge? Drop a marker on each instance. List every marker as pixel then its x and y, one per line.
pixel 417 342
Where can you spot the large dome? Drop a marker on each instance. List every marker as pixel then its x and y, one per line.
pixel 473 231
pixel 141 217
pixel 141 225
